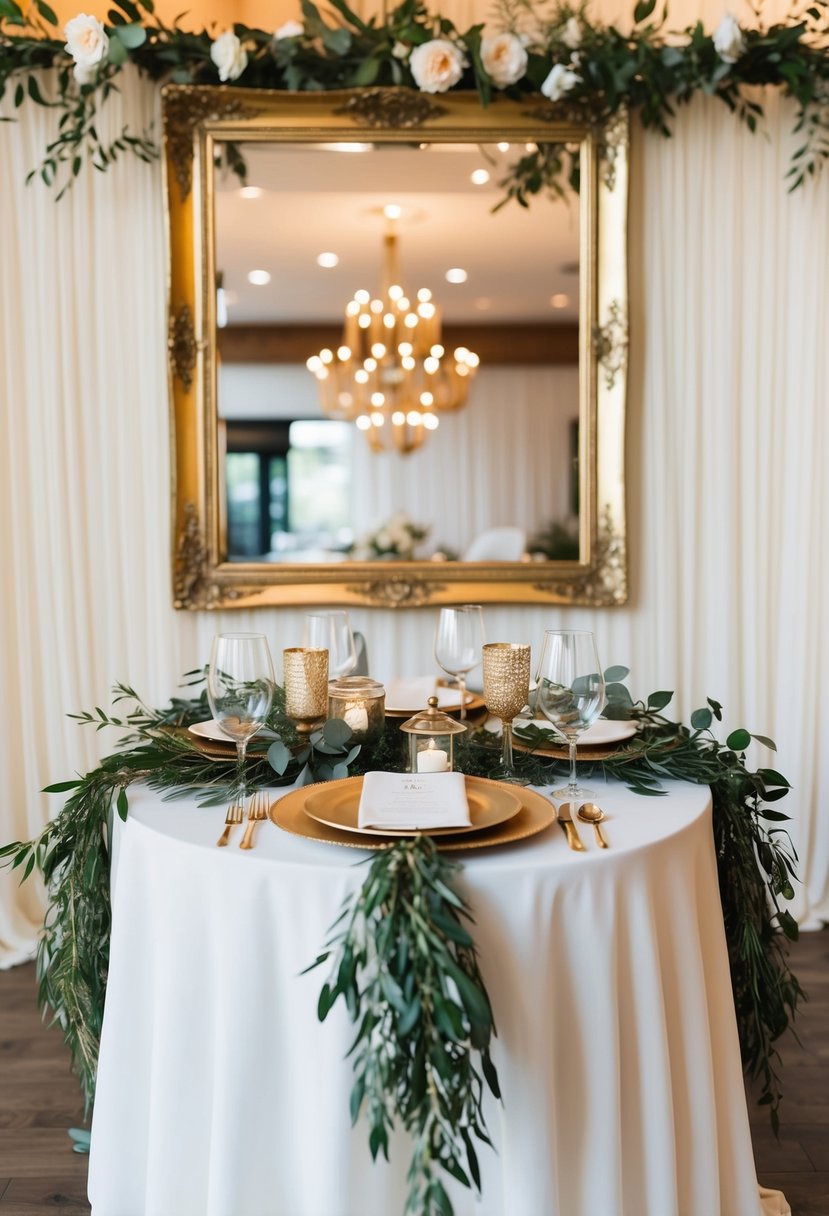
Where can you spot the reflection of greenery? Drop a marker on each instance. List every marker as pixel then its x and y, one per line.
pixel 558 542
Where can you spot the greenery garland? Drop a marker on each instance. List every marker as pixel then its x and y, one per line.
pixel 591 69
pixel 401 954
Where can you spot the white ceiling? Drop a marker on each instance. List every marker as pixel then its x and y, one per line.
pixel 317 199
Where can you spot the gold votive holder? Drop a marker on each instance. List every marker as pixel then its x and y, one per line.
pixel 361 703
pixel 306 686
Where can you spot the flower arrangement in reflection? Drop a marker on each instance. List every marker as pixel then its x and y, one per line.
pixel 397 538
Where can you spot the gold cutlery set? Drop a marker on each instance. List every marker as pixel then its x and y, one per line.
pixel 588 812
pixel 257 811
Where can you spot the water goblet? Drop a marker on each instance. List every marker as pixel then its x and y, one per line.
pixel 459 637
pixel 506 692
pixel 332 631
pixel 570 693
pixel 240 687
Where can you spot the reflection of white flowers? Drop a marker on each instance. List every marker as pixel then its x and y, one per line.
pixel 571 37
pixel 398 538
pixel 560 81
pixel 229 56
pixel 291 29
pixel 729 42
pixel 504 58
pixel 437 65
pixel 87 43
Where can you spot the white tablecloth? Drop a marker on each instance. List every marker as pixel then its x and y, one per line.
pixel 220 1094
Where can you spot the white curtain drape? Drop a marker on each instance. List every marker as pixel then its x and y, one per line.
pixel 727 450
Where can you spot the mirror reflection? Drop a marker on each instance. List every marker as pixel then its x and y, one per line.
pixel 439 417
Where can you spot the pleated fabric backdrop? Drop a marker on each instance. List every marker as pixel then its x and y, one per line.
pixel 727 450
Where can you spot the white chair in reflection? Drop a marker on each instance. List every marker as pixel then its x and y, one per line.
pixel 506 544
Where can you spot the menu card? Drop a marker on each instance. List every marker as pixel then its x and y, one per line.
pixel 413 801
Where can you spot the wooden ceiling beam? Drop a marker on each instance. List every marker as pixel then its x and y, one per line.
pixel 497 345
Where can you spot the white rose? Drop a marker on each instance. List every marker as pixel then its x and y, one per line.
pixel 729 42
pixel 383 539
pixel 291 29
pixel 437 65
pixel 504 59
pixel 560 81
pixel 229 56
pixel 87 43
pixel 572 34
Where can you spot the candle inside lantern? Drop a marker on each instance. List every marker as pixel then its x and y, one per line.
pixel 432 759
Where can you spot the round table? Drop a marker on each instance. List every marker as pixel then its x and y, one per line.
pixel 220 1094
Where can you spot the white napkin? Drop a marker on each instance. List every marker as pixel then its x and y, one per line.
pixel 413 800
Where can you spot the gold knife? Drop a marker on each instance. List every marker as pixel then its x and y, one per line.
pixel 565 818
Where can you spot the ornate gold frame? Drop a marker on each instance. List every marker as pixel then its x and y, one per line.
pixel 195 117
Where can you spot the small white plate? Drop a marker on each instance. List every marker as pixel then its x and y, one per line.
pixel 600 734
pixel 210 730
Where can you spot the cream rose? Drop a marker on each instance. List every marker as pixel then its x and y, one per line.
pixel 504 58
pixel 560 81
pixel 87 43
pixel 437 65
pixel 229 56
pixel 572 34
pixel 291 29
pixel 729 42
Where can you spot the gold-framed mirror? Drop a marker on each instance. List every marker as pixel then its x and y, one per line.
pixel 277 496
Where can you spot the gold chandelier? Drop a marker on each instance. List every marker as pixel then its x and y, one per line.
pixel 392 376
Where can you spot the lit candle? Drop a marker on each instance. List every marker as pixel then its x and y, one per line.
pixel 356 716
pixel 432 759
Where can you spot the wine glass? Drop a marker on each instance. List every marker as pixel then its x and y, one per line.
pixel 571 692
pixel 506 692
pixel 331 631
pixel 458 640
pixel 240 687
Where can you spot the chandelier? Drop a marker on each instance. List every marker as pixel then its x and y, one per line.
pixel 391 375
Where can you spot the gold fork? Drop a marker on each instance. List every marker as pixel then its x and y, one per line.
pixel 257 811
pixel 235 814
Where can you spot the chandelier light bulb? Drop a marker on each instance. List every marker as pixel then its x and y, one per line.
pixel 427 399
pixel 424 294
pixel 405 348
pixel 378 350
pixel 361 296
pixel 364 321
pixel 370 365
pixel 431 422
pixel 398 418
pixel 377 419
pixel 361 376
pixel 328 260
pixel 327 355
pixel 392 211
pixel 378 399
pixel 343 353
pixel 414 417
pixel 363 422
pixel 479 177
pixel 395 291
pixel 437 352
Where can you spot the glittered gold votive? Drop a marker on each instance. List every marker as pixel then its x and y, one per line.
pixel 306 686
pixel 506 678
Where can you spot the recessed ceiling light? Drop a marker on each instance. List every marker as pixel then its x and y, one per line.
pixel 559 300
pixel 392 211
pixel 456 275
pixel 531 147
pixel 503 147
pixel 328 260
pixel 479 177
pixel 259 278
pixel 251 192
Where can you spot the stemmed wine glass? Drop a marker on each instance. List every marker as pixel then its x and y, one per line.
pixel 240 687
pixel 506 692
pixel 331 631
pixel 571 692
pixel 459 638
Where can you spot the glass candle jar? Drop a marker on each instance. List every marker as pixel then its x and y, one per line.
pixel 361 703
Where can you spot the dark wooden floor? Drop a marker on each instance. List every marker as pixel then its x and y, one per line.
pixel 39 1101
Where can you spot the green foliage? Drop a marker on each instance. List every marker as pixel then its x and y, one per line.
pixel 403 962
pixel 644 69
pixel 426 1004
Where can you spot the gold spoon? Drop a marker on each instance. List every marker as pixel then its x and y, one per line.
pixel 588 812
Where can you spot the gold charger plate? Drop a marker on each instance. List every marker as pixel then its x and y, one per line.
pixel 536 815
pixel 584 755
pixel 337 805
pixel 214 750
